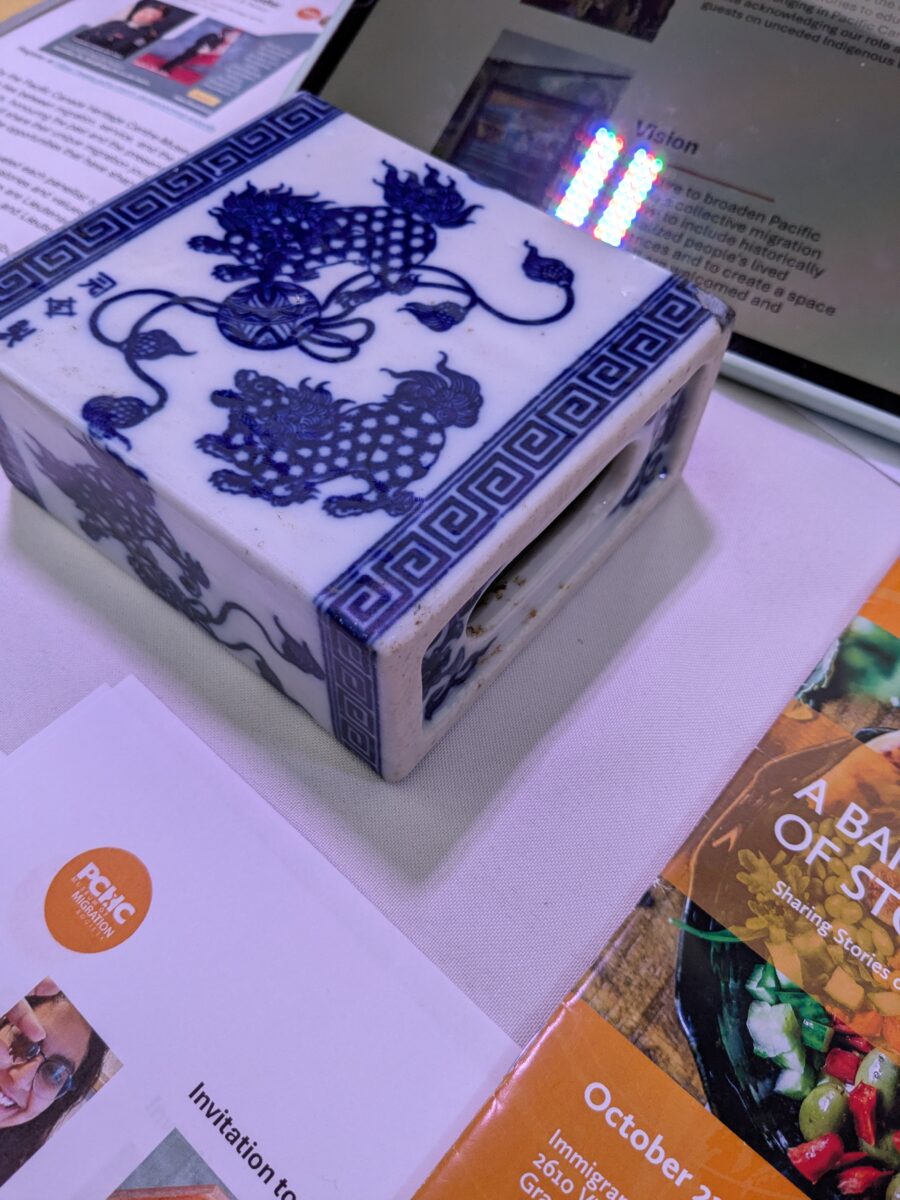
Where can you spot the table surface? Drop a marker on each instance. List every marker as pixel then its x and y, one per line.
pixel 511 854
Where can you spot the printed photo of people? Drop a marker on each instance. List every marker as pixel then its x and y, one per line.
pixel 634 18
pixel 202 66
pixel 134 29
pixel 173 1169
pixel 189 57
pixel 51 1063
pixel 526 114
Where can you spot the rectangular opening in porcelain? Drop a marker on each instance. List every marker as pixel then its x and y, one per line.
pixel 479 628
pixel 497 614
pixel 592 504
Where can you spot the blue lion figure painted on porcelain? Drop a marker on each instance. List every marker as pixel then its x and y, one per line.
pixel 282 443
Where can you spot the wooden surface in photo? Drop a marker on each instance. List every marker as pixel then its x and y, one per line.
pixel 633 987
pixel 196 1191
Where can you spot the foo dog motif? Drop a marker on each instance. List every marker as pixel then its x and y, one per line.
pixel 283 442
pixel 280 242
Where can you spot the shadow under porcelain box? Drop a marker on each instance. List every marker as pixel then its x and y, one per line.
pixel 363 420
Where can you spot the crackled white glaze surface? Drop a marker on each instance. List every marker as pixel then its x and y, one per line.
pixel 318 392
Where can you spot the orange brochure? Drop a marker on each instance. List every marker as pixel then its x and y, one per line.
pixel 739 1036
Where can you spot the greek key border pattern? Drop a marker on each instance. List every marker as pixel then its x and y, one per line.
pixel 396 572
pixel 59 255
pixel 351 674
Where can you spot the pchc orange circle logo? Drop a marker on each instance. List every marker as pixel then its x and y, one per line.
pixel 98 900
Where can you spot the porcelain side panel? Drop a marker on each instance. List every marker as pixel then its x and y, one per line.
pixel 92 492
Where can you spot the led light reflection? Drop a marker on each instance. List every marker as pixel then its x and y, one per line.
pixel 628 197
pixel 590 177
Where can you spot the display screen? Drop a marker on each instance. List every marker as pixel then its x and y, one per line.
pixel 748 144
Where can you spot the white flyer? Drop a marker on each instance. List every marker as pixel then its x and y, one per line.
pixel 97 95
pixel 195 998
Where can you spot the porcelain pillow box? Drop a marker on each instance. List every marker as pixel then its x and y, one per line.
pixel 364 421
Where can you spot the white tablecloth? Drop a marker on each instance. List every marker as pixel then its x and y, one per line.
pixel 512 852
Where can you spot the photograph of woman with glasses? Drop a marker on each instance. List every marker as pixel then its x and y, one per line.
pixel 51 1061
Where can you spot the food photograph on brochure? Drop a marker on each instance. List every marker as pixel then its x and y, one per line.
pixel 450 656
